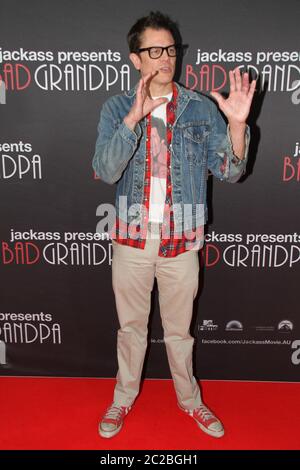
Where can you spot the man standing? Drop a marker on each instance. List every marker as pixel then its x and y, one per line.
pixel 158 141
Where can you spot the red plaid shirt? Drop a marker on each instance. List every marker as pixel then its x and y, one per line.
pixel 135 236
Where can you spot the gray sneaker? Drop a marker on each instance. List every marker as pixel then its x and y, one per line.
pixel 112 421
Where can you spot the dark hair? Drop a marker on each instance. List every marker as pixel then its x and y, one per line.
pixel 155 20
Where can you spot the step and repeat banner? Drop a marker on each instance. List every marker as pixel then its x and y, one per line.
pixel 59 62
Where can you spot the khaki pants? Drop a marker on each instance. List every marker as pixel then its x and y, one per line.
pixel 133 273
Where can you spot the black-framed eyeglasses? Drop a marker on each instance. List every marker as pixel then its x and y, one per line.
pixel 155 52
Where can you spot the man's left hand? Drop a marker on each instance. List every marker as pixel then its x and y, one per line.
pixel 237 106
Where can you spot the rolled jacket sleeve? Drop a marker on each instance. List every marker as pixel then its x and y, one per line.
pixel 236 167
pixel 115 144
pixel 222 161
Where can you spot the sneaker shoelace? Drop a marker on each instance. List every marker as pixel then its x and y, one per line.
pixel 204 413
pixel 114 413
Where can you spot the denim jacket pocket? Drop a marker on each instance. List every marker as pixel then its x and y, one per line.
pixel 195 138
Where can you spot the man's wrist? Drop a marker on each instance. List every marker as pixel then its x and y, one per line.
pixel 130 123
pixel 238 126
pixel 237 132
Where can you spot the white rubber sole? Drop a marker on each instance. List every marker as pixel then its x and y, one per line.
pixel 108 434
pixel 208 431
pixel 203 428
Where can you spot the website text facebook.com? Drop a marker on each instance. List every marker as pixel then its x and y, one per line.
pixel 247 341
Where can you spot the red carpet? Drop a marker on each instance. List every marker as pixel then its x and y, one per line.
pixel 48 413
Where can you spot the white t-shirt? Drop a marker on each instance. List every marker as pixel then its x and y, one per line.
pixel 158 160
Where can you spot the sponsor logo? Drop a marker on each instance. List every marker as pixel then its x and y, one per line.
pixel 285 326
pixel 264 328
pixel 234 325
pixel 208 325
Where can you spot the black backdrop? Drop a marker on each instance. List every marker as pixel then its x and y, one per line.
pixel 59 61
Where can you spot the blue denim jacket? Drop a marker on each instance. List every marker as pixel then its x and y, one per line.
pixel 200 141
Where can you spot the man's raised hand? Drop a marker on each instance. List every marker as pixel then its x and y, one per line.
pixel 143 103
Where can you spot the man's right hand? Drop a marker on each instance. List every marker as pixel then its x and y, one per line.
pixel 143 103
